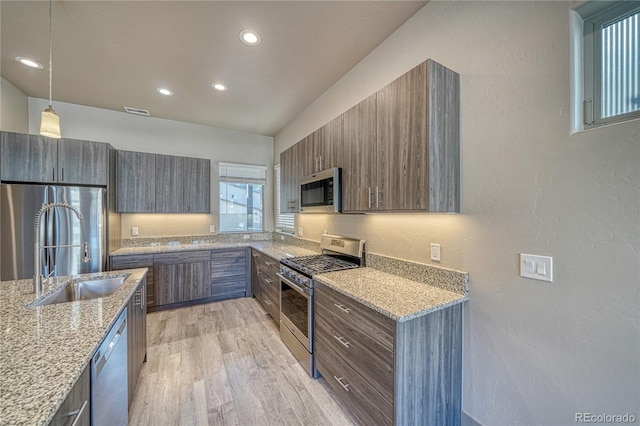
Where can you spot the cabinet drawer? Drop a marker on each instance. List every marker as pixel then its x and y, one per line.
pixel 132 261
pixel 366 356
pixel 227 263
pixel 367 405
pixel 228 287
pixel 270 296
pixel 360 318
pixel 182 257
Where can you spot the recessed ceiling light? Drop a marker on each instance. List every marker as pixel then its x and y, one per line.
pixel 164 91
pixel 29 62
pixel 219 86
pixel 250 37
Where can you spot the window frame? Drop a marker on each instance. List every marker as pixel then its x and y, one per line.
pixel 245 180
pixel 281 219
pixel 596 15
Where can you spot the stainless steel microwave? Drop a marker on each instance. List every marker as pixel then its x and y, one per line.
pixel 321 192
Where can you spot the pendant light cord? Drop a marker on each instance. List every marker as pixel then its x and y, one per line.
pixel 50 55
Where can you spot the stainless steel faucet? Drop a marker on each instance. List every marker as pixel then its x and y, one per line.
pixel 38 246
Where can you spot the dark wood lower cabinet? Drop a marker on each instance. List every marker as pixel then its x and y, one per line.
pixel 136 336
pixel 390 372
pixel 266 287
pixel 186 277
pixel 137 261
pixel 181 276
pixel 76 408
pixel 229 273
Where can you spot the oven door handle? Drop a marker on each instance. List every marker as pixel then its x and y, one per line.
pixel 304 291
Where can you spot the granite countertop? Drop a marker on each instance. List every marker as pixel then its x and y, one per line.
pixel 398 298
pixel 271 248
pixel 45 349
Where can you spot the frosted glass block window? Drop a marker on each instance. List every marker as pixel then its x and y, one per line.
pixel 611 61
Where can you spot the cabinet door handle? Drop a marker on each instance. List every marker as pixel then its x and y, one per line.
pixel 267 302
pixel 53 175
pixel 62 180
pixel 77 413
pixel 268 280
pixel 342 341
pixel 342 308
pixel 377 198
pixel 339 380
pixel 321 164
pixel 369 197
pixel 254 255
pixel 268 263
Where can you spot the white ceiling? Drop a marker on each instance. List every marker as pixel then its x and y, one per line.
pixel 111 54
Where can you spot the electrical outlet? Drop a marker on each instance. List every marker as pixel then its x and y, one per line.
pixel 246 236
pixel 282 237
pixel 300 233
pixel 134 231
pixel 536 267
pixel 435 252
pixel 212 228
pixel 325 232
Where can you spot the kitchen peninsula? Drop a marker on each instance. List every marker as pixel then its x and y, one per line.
pixel 46 349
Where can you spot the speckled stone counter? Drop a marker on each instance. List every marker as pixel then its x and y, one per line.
pixel 271 248
pixel 45 349
pixel 399 298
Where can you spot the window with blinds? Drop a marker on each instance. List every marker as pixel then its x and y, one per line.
pixel 241 197
pixel 610 66
pixel 284 221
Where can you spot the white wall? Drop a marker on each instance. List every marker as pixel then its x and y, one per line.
pixel 149 134
pixel 534 353
pixel 14 108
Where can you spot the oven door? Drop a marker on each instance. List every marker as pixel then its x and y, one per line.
pixel 296 310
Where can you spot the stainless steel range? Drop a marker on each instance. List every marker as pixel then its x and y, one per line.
pixel 296 291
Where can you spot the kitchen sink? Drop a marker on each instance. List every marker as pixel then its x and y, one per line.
pixel 82 290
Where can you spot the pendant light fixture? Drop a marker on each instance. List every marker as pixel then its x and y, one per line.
pixel 50 122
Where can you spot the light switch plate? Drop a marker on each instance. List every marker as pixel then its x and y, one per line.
pixel 212 228
pixel 300 231
pixel 134 231
pixel 536 267
pixel 435 252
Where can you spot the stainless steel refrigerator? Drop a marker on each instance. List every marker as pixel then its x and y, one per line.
pixel 60 227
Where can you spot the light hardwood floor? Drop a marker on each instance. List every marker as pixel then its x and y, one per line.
pixel 223 364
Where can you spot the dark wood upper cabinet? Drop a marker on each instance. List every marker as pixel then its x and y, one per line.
pixel 156 183
pixel 38 159
pixel 196 186
pixel 399 149
pixel 83 162
pixel 169 188
pixel 359 156
pixel 418 141
pixel 136 182
pixel 290 173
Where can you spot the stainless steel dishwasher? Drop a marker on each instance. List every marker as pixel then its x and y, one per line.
pixel 109 400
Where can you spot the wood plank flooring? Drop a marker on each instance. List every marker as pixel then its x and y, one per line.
pixel 223 364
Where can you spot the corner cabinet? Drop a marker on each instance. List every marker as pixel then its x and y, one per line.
pixel 388 372
pixel 291 163
pixel 186 277
pixel 155 183
pixel 38 159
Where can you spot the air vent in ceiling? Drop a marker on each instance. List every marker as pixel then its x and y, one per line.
pixel 137 111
